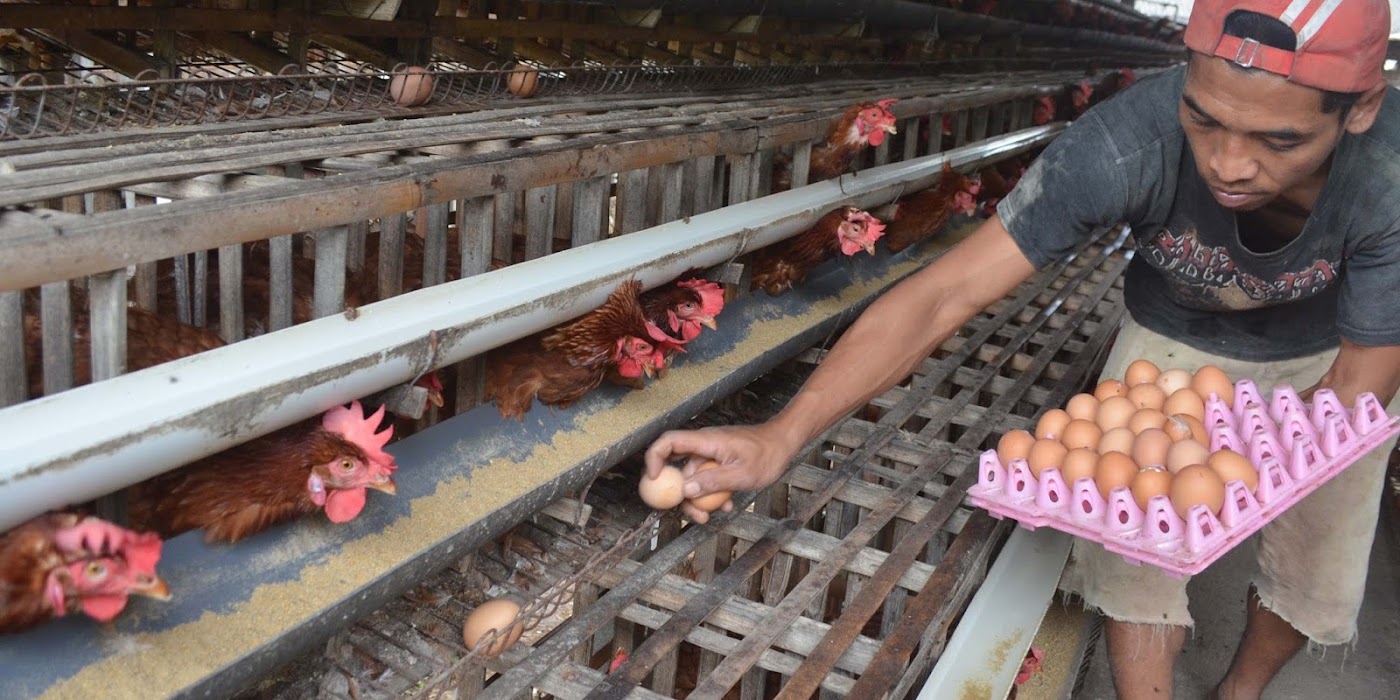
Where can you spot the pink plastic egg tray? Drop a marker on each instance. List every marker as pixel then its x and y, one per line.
pixel 1295 446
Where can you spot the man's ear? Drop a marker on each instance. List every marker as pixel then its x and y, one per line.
pixel 1363 113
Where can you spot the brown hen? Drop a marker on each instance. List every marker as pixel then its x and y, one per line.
pixel 864 124
pixel 62 563
pixel 561 365
pixel 776 268
pixel 920 215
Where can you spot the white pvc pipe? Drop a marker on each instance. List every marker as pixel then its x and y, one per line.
pixel 989 643
pixel 89 441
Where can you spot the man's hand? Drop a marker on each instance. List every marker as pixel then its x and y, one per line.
pixel 750 457
pixel 1359 369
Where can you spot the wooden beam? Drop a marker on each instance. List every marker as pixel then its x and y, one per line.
pixel 67 17
pixel 111 55
pixel 458 52
pixel 357 50
pixel 244 49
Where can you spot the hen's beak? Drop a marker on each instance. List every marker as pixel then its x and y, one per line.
pixel 435 398
pixel 889 128
pixel 154 588
pixel 649 370
pixel 709 322
pixel 385 485
pixel 870 247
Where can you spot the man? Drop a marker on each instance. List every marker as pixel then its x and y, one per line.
pixel 1258 180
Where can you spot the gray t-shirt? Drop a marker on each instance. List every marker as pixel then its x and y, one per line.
pixel 1193 278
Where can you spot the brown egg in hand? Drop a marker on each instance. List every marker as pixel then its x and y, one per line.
pixel 1197 484
pixel 1141 372
pixel 710 502
pixel 663 492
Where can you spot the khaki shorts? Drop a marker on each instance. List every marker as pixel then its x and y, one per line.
pixel 1312 560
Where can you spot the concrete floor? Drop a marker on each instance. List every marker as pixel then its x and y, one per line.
pixel 1371 670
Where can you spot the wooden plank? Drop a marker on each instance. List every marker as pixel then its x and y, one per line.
pixel 910 130
pixel 801 163
pixel 355 245
pixel 280 292
pixel 231 292
pixel 672 183
pixel 475 219
pixel 331 243
pixel 590 203
pixel 319 203
pixel 238 46
pixel 56 320
pixel 13 383
pixel 181 263
pixel 703 185
pixel 391 244
pixel 107 308
pixel 960 121
pixel 503 245
pixel 199 289
pixel 143 283
pixel 539 221
pixel 631 201
pixel 935 134
pixel 740 186
pixel 106 53
pixel 434 222
pixel 980 122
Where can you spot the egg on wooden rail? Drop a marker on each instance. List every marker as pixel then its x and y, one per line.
pixel 411 86
pixel 523 82
pixel 496 616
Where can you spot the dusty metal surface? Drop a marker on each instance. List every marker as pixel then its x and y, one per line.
pixel 844 579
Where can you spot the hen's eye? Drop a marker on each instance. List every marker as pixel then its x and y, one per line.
pixel 346 465
pixel 95 570
pixel 688 306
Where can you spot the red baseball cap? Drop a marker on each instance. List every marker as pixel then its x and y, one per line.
pixel 1341 43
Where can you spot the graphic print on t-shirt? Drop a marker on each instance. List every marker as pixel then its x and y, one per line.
pixel 1208 275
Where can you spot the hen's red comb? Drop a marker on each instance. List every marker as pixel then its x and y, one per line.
pixel 885 104
pixel 142 552
pixel 711 295
pixel 352 424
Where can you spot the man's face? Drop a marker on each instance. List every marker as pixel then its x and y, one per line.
pixel 1254 135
